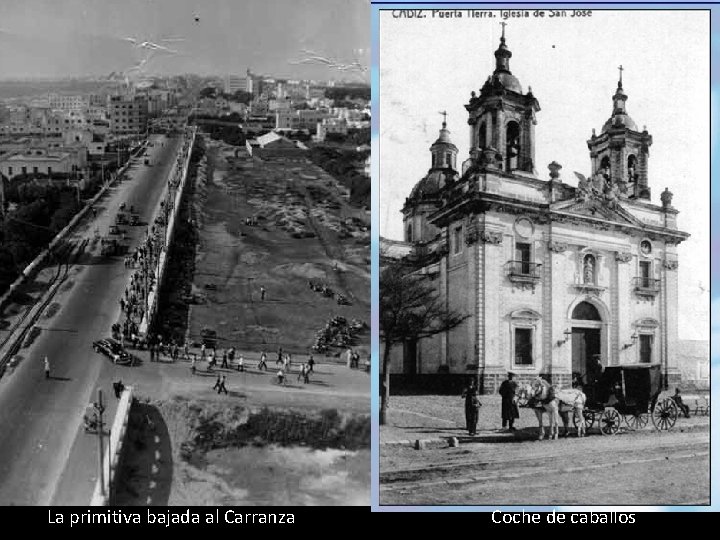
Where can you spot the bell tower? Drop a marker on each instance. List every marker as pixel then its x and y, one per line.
pixel 502 119
pixel 620 153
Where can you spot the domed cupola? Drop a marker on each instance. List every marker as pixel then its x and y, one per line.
pixel 444 152
pixel 620 118
pixel 425 197
pixel 502 74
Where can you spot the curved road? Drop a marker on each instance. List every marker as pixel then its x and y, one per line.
pixel 45 455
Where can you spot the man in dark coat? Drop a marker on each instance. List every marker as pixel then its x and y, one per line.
pixel 510 412
pixel 472 407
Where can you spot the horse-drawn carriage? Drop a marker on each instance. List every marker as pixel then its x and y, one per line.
pixel 628 393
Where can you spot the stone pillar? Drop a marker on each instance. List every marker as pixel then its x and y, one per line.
pixel 669 308
pixel 547 306
pixel 613 353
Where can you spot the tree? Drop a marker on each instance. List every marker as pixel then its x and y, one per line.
pixel 410 309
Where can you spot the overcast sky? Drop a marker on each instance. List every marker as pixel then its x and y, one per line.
pixel 40 38
pixel 431 64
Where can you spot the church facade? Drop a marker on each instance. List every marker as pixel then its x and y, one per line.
pixel 557 280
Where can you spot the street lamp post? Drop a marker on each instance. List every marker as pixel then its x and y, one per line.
pixel 99 410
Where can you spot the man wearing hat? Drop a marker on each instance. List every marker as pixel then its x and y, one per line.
pixel 510 412
pixel 472 407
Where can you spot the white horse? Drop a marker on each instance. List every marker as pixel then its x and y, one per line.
pixel 544 398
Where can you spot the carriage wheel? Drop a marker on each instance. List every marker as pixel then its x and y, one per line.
pixel 588 418
pixel 610 421
pixel 665 414
pixel 637 421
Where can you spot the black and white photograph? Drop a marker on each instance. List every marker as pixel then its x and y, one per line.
pixel 184 253
pixel 544 188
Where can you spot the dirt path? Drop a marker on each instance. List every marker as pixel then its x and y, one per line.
pixel 632 468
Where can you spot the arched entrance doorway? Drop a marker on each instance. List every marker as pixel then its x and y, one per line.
pixel 586 342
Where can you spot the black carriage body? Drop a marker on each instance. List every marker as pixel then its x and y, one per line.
pixel 631 389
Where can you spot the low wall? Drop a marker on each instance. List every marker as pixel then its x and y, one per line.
pixel 111 461
pixel 169 230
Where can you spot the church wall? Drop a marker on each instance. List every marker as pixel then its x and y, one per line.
pixel 460 346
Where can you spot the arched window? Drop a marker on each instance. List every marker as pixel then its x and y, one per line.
pixel 632 168
pixel 589 269
pixel 585 311
pixel 605 166
pixel 409 237
pixel 512 146
pixel 482 132
pixel 434 161
pixel 448 159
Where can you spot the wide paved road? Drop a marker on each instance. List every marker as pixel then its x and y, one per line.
pixel 40 420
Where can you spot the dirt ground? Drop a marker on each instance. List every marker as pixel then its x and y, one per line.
pixel 305 231
pixel 643 467
pixel 156 472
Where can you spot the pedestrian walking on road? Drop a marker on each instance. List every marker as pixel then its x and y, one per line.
pixel 281 376
pixel 241 363
pixel 217 384
pixel 306 374
pixel 193 366
pixel 225 359
pixel 311 363
pixel 47 368
pixel 279 360
pixel 222 385
pixel 118 387
pixel 263 361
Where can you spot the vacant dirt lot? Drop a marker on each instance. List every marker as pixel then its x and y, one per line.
pixel 302 230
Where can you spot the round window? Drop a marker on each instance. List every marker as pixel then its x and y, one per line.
pixel 645 247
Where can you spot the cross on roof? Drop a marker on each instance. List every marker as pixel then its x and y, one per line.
pixel 621 70
pixel 444 113
pixel 503 24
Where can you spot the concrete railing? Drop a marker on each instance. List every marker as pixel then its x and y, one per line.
pixel 152 300
pixel 111 458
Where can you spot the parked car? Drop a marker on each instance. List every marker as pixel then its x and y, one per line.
pixel 113 350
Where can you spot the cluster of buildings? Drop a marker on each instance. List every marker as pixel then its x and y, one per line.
pixel 285 105
pixel 554 279
pixel 63 133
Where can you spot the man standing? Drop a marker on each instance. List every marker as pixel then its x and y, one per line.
pixel 241 363
pixel 225 359
pixel 263 361
pixel 193 366
pixel 263 292
pixel 472 407
pixel 510 412
pixel 47 368
pixel 311 363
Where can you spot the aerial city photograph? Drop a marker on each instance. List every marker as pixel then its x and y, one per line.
pixel 184 253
